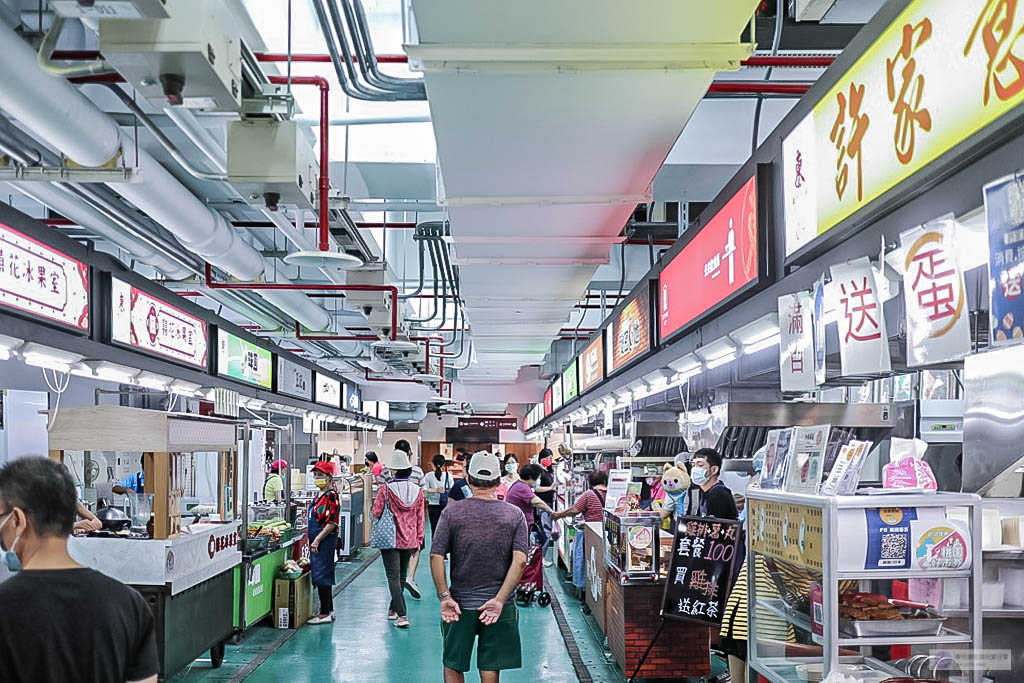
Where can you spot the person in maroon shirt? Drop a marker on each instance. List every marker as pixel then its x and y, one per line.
pixel 522 495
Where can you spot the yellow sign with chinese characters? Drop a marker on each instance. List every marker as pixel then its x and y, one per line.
pixel 939 73
pixel 786 532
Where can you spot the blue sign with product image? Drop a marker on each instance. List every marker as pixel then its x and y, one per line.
pixel 1004 213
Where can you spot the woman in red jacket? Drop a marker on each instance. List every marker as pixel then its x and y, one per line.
pixel 405 500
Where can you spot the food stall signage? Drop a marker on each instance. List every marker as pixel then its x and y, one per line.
pixel 353 397
pixel 720 261
pixel 785 531
pixel 570 383
pixel 294 380
pixel 242 360
pixel 796 347
pixel 327 390
pixel 630 333
pixel 149 324
pixel 41 281
pixel 933 288
pixel 1004 212
pixel 940 73
pixel 863 341
pixel 547 402
pixel 592 365
pixel 504 422
pixel 700 571
pixel 218 544
pixel 556 394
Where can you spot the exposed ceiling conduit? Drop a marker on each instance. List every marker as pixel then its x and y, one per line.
pixel 415 415
pixel 68 121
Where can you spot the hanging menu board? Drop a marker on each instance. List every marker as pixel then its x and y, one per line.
pixel 327 390
pixel 242 360
pixel 148 324
pixel 353 398
pixel 630 333
pixel 42 282
pixel 570 385
pixel 591 364
pixel 294 380
pixel 556 394
pixel 700 572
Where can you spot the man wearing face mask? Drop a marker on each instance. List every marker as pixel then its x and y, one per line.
pixel 715 497
pixel 62 621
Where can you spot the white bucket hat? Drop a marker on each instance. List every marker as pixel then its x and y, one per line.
pixel 399 460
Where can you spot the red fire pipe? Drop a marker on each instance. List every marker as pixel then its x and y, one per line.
pixel 58 222
pixel 325 159
pixel 759 87
pixel 657 243
pixel 390 289
pixel 778 60
pixel 788 60
pixel 318 58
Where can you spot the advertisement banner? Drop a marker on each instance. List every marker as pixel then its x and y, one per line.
pixel 547 402
pixel 41 281
pixel 630 333
pixel 863 342
pixel 936 303
pixel 353 397
pixel 940 73
pixel 720 260
pixel 796 345
pixel 1004 213
pixel 326 391
pixel 592 364
pixel 242 360
pixel 705 552
pixel 294 380
pixel 570 388
pixel 149 324
pixel 556 394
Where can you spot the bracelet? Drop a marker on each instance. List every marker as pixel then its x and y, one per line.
pixel 444 595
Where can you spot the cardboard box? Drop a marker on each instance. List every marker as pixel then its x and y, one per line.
pixel 293 601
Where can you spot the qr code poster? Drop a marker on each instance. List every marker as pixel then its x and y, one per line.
pixel 881 538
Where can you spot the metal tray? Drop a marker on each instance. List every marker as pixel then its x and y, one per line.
pixel 893 627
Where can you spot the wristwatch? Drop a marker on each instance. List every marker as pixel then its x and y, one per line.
pixel 444 595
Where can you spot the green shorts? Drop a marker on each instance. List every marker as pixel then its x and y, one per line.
pixel 499 647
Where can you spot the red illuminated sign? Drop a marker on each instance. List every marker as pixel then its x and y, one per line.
pixel 721 259
pixel 547 402
pixel 41 281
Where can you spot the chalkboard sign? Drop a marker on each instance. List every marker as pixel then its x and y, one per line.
pixel 704 553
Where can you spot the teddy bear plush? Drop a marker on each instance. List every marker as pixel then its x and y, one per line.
pixel 675 482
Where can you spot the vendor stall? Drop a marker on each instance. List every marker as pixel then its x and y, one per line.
pixel 184 572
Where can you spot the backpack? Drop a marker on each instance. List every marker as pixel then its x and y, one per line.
pixel 446 482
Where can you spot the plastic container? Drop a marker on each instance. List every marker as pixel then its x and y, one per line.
pixel 992 595
pixel 1012 579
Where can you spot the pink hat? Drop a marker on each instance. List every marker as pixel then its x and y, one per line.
pixel 278 465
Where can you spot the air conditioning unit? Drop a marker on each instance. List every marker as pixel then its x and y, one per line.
pixel 110 9
pixel 378 303
pixel 192 58
pixel 272 162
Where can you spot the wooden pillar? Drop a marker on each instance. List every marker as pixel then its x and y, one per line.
pixel 58 456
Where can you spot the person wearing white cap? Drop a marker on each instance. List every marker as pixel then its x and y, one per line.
pixel 403 499
pixel 487 541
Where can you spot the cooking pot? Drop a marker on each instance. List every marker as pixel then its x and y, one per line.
pixel 113 519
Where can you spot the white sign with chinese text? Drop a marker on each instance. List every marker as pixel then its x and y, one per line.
pixel 941 72
pixel 294 379
pixel 800 185
pixel 863 342
pixel 41 281
pixel 936 303
pixel 327 390
pixel 147 323
pixel 796 345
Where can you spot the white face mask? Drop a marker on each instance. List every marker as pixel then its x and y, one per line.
pixel 510 468
pixel 10 558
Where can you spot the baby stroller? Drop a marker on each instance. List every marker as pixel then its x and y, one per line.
pixel 531 585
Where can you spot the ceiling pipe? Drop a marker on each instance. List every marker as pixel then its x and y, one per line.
pixel 754 61
pixel 372 120
pixel 320 58
pixel 759 87
pixel 389 379
pixel 46 53
pixel 290 286
pixel 68 121
pixel 199 136
pixel 325 158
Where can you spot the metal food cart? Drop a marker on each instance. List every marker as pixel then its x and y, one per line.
pixel 183 572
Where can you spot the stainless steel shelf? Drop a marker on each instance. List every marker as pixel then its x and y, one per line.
pixel 777 607
pixel 1012 555
pixel 905 574
pixel 994 612
pixel 947 635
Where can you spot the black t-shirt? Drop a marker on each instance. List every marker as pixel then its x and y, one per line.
pixel 547 480
pixel 718 502
pixel 74 625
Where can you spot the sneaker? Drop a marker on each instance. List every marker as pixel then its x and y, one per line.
pixel 321 619
pixel 402 622
pixel 392 615
pixel 549 563
pixel 413 589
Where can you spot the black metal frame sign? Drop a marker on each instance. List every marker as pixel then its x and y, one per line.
pixel 701 570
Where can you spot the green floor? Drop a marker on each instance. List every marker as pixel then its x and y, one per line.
pixel 363 646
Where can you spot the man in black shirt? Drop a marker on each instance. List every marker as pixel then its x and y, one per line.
pixel 61 621
pixel 715 497
pixel 546 492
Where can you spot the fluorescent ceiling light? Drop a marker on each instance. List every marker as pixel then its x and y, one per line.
pixel 761 345
pixel 111 372
pixel 8 345
pixel 183 388
pixel 685 375
pixel 151 380
pixel 721 360
pixel 755 331
pixel 41 356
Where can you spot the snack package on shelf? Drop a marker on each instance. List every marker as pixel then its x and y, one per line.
pixel 906 468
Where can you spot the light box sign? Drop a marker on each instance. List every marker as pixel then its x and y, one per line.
pixel 940 73
pixel 353 398
pixel 327 390
pixel 42 282
pixel 150 324
pixel 547 402
pixel 591 364
pixel 294 380
pixel 242 360
pixel 570 383
pixel 630 333
pixel 556 394
pixel 721 259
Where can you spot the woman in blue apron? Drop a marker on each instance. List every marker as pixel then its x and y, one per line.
pixel 323 536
